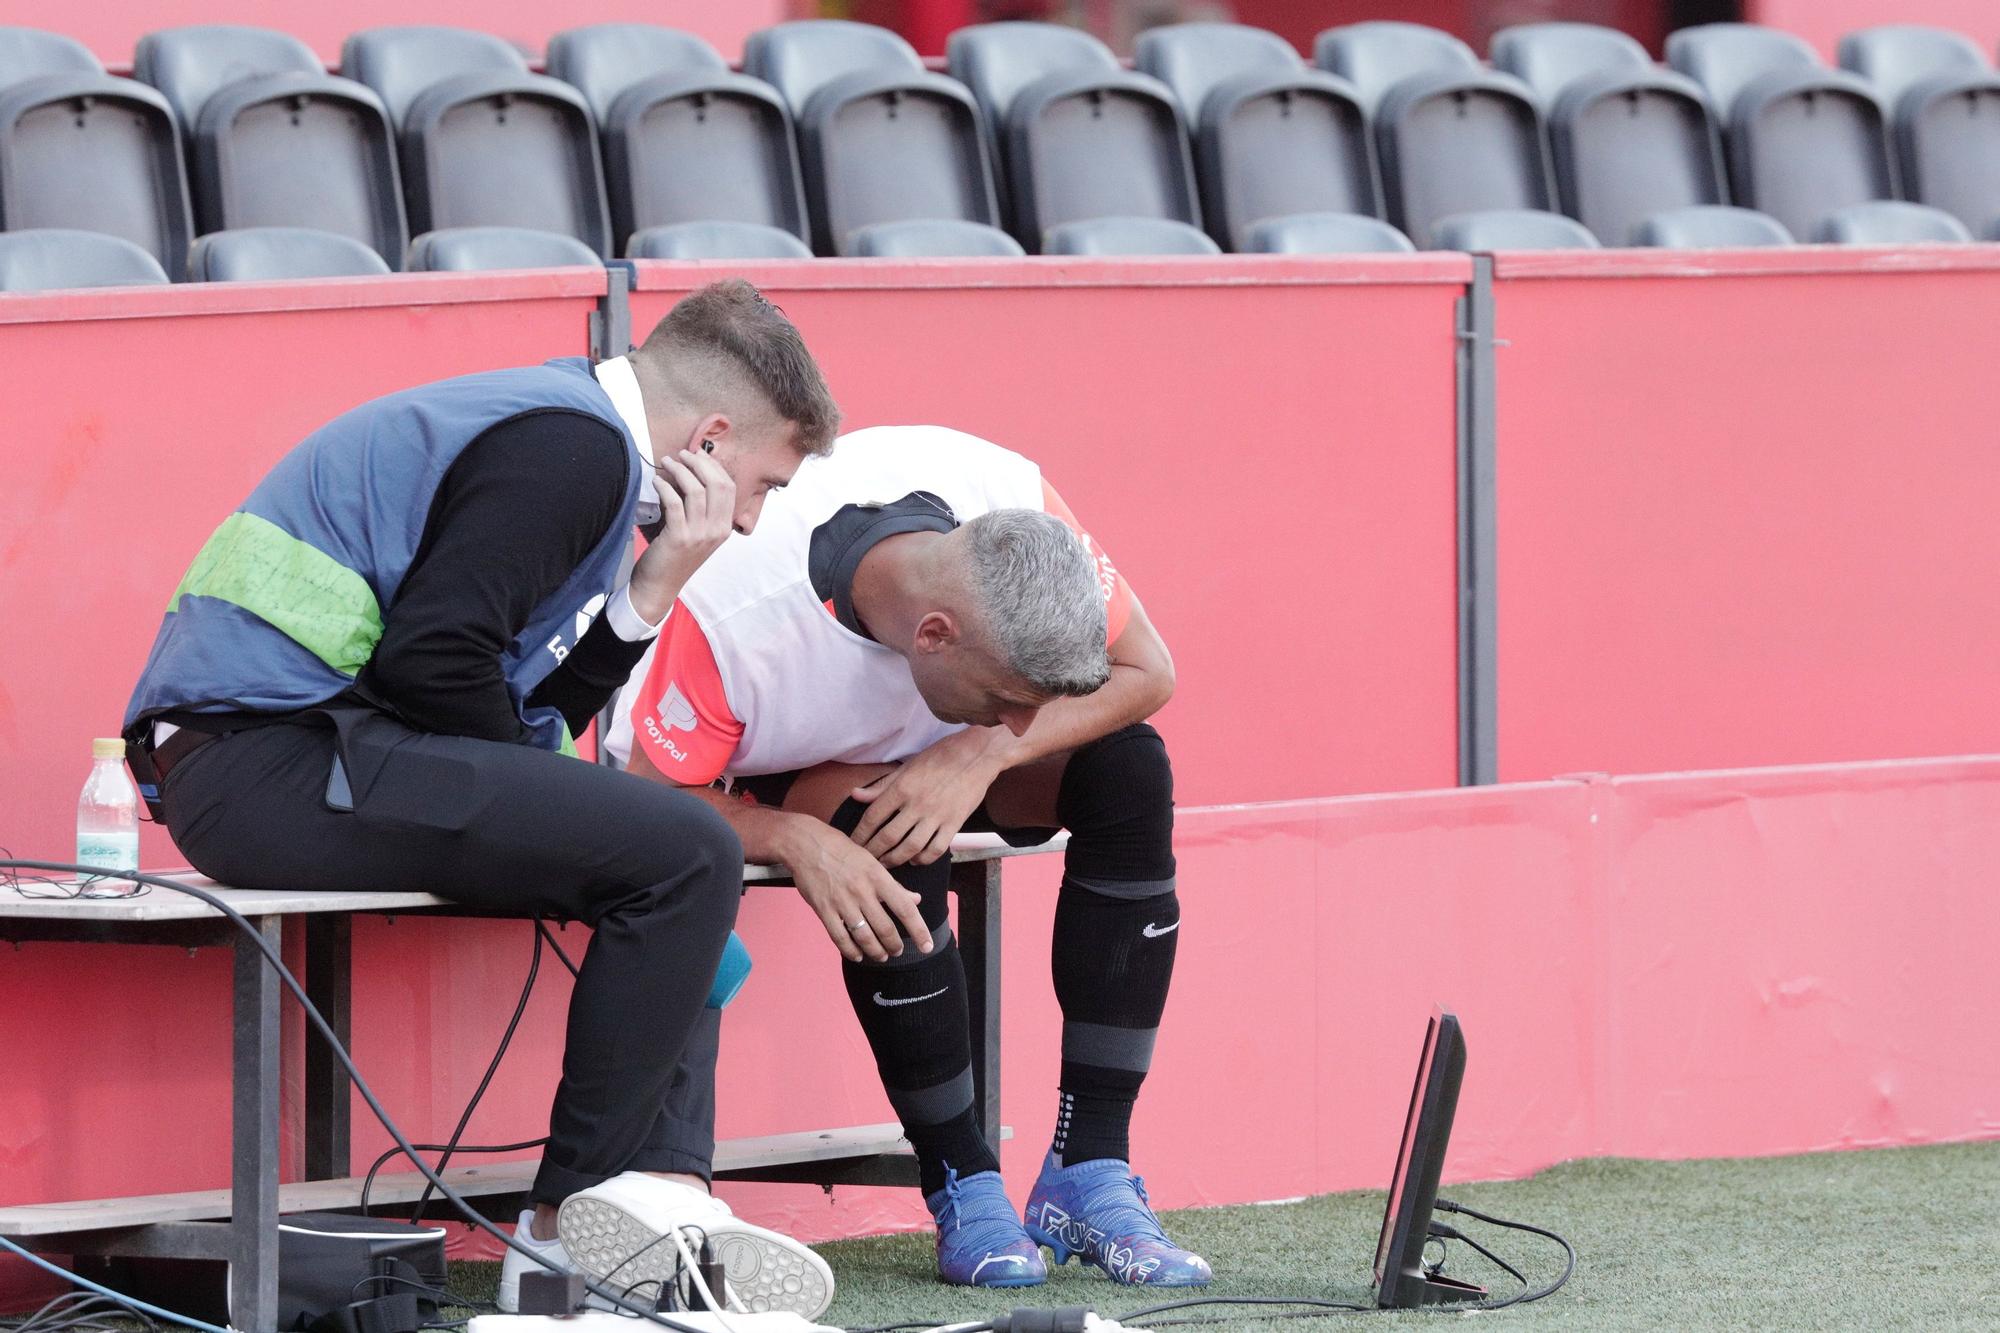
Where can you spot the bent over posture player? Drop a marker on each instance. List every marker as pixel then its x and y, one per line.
pixel 918 639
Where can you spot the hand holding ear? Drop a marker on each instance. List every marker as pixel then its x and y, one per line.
pixel 697 513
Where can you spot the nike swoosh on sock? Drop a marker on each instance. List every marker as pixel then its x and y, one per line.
pixel 916 999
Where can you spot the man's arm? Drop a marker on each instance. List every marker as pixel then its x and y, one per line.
pixel 838 880
pixel 515 514
pixel 914 812
pixel 1142 680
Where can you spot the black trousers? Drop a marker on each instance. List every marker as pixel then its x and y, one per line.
pixel 657 875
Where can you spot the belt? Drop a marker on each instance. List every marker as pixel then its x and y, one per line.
pixel 177 747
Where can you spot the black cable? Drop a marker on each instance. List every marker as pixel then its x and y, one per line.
pixel 492 1068
pixel 1453 1233
pixel 1283 1313
pixel 361 1084
pixel 1525 1295
pixel 1314 1301
pixel 438 1295
pixel 660 1239
pixel 368 1181
pixel 543 927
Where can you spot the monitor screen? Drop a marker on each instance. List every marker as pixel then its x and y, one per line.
pixel 1409 1138
pixel 1400 1279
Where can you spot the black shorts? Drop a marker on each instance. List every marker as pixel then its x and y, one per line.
pixel 770 789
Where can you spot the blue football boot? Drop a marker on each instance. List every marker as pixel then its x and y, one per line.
pixel 1097 1211
pixel 980 1242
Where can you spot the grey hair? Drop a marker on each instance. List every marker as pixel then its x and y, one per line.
pixel 1040 599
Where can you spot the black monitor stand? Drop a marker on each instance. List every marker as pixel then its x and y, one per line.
pixel 1401 1281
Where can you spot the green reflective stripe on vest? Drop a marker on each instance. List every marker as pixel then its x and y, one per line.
pixel 317 602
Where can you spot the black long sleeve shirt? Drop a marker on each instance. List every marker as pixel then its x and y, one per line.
pixel 518 510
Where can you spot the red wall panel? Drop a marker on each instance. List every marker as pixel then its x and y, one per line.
pixel 1264 446
pixel 1701 965
pixel 1824 22
pixel 1746 509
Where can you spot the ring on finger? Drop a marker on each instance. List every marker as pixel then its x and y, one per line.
pixel 853 926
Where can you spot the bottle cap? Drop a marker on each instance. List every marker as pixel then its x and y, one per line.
pixel 107 748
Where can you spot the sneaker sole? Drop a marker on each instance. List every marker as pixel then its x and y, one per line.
pixel 767 1272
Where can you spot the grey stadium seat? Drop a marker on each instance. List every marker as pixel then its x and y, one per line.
pixel 716 240
pixel 1510 229
pixel 1803 139
pixel 1628 138
pixel 463 248
pixel 685 139
pixel 1272 138
pixel 1711 228
pixel 273 140
pixel 1081 138
pixel 1891 222
pixel 1325 234
pixel 1374 57
pixel 277 254
pixel 1453 137
pixel 930 238
pixel 881 138
pixel 483 142
pixel 1944 104
pixel 54 259
pixel 81 150
pixel 1127 236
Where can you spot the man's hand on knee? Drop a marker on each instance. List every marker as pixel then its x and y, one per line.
pixel 867 914
pixel 915 810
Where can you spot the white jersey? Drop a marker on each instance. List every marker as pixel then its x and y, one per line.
pixel 754 672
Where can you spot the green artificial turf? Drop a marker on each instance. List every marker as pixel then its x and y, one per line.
pixel 1905 1238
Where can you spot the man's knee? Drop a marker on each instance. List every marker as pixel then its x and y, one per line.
pixel 691 852
pixel 1117 801
pixel 932 882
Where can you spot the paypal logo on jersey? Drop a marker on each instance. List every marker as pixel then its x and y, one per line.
pixel 673 713
pixel 675 710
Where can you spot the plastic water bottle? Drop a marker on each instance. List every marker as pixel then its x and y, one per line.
pixel 107 814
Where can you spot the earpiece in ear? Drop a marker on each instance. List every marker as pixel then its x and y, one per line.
pixel 708 446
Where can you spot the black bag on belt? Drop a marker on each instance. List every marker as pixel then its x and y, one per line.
pixel 327 1263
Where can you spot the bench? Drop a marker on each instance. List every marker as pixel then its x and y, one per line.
pixel 240 1224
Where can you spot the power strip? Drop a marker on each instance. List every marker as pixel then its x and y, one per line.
pixel 607 1321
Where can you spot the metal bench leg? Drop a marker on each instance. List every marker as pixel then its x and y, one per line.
pixel 253 1218
pixel 977 884
pixel 330 985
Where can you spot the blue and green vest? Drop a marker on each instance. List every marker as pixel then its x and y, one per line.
pixel 285 603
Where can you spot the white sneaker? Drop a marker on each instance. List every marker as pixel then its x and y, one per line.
pixel 517 1263
pixel 614 1233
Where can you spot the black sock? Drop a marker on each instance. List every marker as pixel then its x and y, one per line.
pixel 913 1009
pixel 1113 962
pixel 914 1013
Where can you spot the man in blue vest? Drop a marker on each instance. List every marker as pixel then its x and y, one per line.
pixel 371 675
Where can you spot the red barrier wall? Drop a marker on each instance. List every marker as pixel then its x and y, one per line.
pixel 1684 966
pixel 1265 446
pixel 111 28
pixel 1746 508
pixel 1825 22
